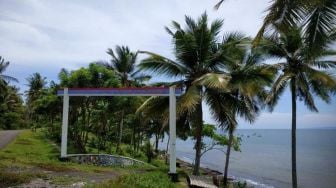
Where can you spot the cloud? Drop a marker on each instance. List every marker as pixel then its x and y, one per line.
pixel 67 32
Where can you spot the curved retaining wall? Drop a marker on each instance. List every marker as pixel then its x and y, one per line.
pixel 104 160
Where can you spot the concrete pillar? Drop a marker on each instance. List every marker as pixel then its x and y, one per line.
pixel 172 133
pixel 65 121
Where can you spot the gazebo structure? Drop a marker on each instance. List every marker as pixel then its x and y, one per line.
pixel 170 92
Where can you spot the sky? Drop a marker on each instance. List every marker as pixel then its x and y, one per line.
pixel 47 35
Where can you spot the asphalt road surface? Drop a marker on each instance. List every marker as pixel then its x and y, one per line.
pixel 7 136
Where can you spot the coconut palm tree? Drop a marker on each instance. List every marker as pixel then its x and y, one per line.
pixel 198 51
pixel 241 96
pixel 5 78
pixel 123 62
pixel 317 17
pixel 304 72
pixel 36 84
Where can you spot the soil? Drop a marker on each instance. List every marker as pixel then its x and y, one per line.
pixel 74 178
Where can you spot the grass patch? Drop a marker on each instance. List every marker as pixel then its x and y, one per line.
pixel 13 179
pixel 139 180
pixel 32 150
pixel 54 167
pixel 29 147
pixel 65 180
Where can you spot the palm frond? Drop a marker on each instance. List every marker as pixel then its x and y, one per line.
pixel 216 27
pixel 247 108
pixel 216 7
pixel 179 83
pixel 304 92
pixel 220 111
pixel 123 60
pixel 251 78
pixel 154 106
pixel 170 32
pixel 191 24
pixel 319 24
pixel 161 65
pixel 3 66
pixel 281 14
pixel 272 47
pixel 277 89
pixel 322 83
pixel 235 37
pixel 323 64
pixel 213 81
pixel 8 78
pixel 189 100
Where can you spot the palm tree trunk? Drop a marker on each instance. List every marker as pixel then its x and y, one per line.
pixel 134 138
pixel 157 142
pixel 227 159
pixel 120 131
pixel 198 122
pixel 294 176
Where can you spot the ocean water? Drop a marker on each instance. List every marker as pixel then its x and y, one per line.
pixel 265 158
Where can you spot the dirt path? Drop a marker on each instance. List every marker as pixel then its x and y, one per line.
pixel 7 136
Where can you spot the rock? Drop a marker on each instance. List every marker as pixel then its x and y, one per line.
pixel 78 185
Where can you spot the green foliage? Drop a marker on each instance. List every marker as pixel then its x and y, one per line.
pixel 140 180
pixel 11 109
pixel 215 140
pixel 148 150
pixel 4 79
pixel 241 184
pixel 11 103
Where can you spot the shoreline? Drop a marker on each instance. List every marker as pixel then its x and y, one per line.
pixel 207 171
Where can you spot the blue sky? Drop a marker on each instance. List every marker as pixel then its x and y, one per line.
pixel 47 35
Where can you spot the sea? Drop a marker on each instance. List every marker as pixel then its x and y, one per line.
pixel 265 157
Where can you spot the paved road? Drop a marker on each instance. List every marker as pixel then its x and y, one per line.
pixel 7 136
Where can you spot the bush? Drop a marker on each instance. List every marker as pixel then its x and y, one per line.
pixel 148 150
